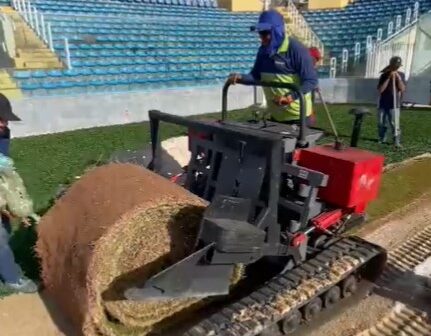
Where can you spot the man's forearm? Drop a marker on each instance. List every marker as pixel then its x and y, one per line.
pixel 401 84
pixel 248 79
pixel 384 85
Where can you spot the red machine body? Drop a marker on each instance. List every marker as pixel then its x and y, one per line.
pixel 354 175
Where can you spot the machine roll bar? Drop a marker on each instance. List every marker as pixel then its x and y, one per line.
pixel 291 87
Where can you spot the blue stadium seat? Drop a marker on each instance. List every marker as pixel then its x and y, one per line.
pixel 22 74
pixel 113 45
pixel 343 28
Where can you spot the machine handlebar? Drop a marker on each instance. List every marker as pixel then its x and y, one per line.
pixel 291 87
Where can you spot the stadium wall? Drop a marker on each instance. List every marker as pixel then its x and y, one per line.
pixel 327 4
pixel 241 5
pixel 52 114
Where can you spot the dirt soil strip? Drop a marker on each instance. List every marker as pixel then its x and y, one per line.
pixel 28 315
pixel 399 227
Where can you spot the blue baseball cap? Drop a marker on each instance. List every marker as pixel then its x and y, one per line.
pixel 260 27
pixel 6 110
pixel 268 20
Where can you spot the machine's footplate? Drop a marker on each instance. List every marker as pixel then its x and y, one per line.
pixel 286 293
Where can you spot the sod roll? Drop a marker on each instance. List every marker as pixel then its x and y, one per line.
pixel 119 223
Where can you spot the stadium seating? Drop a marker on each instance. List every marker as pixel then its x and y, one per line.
pixel 343 28
pixel 142 44
pixel 119 45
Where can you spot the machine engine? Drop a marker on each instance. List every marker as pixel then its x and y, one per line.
pixel 354 175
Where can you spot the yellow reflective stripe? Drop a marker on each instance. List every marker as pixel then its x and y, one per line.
pixel 284 46
pixel 284 113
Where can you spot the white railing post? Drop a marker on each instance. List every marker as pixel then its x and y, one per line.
pixel 390 28
pixel 376 53
pixel 368 65
pixel 42 23
pixel 398 23
pixel 30 14
pixel 410 50
pixel 369 43
pixel 379 34
pixel 36 21
pixel 50 43
pixel 416 11
pixel 408 16
pixel 357 54
pixel 66 48
pixel 379 50
pixel 333 67
pixel 18 6
pixel 344 60
pixel 24 10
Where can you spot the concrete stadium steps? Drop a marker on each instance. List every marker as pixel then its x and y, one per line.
pixel 8 86
pixel 301 33
pixel 31 52
pixel 290 26
pixel 36 58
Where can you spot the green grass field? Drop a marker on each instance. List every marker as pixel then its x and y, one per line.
pixel 47 161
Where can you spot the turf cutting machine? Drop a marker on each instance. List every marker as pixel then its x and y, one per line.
pixel 278 205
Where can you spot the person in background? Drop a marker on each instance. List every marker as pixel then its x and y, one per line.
pixel 10 273
pixel 6 115
pixel 316 56
pixel 391 86
pixel 281 59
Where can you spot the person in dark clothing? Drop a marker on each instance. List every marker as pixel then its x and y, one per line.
pixel 11 274
pixel 6 115
pixel 391 86
pixel 282 59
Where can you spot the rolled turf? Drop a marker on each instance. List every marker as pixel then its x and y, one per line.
pixel 117 224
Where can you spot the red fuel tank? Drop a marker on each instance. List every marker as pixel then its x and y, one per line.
pixel 354 174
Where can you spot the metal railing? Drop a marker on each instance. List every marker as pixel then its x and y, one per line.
pixel 301 28
pixel 398 42
pixel 379 48
pixel 35 20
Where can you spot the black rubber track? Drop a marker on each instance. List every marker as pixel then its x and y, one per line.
pixel 265 307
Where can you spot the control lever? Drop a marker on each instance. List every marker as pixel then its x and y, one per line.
pixel 338 144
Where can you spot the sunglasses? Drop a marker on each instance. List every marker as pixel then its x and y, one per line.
pixel 265 33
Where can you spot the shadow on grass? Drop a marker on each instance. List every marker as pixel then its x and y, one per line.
pixel 329 135
pixel 22 243
pixel 408 288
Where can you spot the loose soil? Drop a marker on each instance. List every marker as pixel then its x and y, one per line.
pixel 397 228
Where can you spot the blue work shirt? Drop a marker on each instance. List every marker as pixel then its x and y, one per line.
pixel 292 64
pixel 386 100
